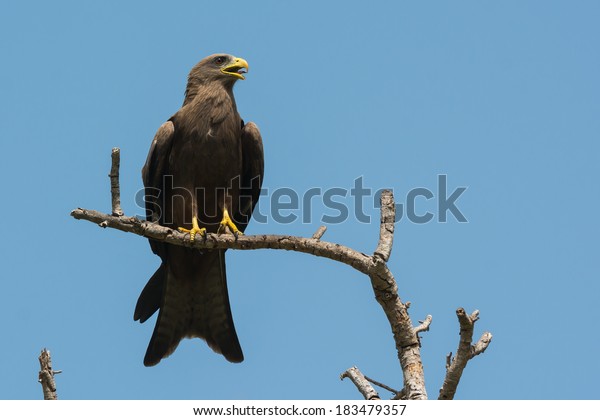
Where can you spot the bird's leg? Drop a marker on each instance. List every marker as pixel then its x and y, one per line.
pixel 194 230
pixel 226 222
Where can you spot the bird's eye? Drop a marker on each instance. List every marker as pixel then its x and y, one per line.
pixel 219 60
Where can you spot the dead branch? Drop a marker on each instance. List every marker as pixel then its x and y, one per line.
pixel 423 325
pixel 320 232
pixel 482 344
pixel 115 189
pixel 382 385
pixel 383 282
pixel 465 352
pixel 361 382
pixel 357 260
pixel 386 226
pixel 46 375
pixel 375 266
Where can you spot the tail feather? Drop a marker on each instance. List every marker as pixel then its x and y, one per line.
pixel 151 296
pixel 195 303
pixel 220 330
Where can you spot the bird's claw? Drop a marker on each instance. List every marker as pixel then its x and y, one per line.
pixel 228 223
pixel 195 230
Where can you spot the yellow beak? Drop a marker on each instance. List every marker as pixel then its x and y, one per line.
pixel 236 68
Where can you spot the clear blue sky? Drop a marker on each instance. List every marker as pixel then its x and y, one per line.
pixel 503 98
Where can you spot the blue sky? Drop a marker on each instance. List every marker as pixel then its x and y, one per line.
pixel 500 97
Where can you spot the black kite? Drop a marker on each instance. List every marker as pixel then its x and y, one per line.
pixel 203 174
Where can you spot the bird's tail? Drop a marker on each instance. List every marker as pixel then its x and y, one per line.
pixel 193 302
pixel 151 296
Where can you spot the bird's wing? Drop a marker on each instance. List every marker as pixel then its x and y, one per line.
pixel 152 175
pixel 253 168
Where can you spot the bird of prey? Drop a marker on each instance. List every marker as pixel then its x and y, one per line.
pixel 203 175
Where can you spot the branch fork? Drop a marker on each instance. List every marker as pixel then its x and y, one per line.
pixel 464 353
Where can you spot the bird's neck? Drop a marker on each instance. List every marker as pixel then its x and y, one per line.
pixel 207 92
pixel 210 102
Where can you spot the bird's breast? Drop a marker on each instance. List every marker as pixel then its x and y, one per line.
pixel 208 155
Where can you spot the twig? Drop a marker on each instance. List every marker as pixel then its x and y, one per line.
pixel 423 325
pixel 379 384
pixel 115 190
pixel 386 226
pixel 361 383
pixel 465 352
pixel 46 375
pixel 320 232
pixel 482 344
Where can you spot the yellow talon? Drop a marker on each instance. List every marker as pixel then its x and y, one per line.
pixel 226 222
pixel 194 230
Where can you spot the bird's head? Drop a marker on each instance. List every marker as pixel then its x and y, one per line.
pixel 224 68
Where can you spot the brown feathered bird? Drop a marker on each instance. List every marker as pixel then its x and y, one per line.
pixel 203 174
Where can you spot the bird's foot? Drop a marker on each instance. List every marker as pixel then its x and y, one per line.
pixel 194 230
pixel 226 222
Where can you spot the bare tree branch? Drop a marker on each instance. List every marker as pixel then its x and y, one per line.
pixel 115 189
pixel 355 259
pixel 381 385
pixel 320 232
pixel 423 325
pixel 465 352
pixel 382 281
pixel 46 375
pixel 386 226
pixel 361 383
pixel 482 344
